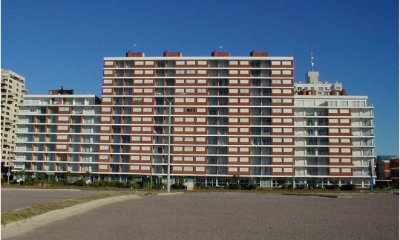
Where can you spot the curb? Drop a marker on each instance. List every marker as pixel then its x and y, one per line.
pixel 23 226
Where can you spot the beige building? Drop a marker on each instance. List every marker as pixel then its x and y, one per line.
pixel 12 91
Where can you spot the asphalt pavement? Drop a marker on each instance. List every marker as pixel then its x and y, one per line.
pixel 232 216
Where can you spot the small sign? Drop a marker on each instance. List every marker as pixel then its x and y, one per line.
pixel 8 174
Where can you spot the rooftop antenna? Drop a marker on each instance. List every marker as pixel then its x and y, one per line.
pixel 134 46
pixel 312 61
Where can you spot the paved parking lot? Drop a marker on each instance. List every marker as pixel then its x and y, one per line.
pixel 12 199
pixel 233 216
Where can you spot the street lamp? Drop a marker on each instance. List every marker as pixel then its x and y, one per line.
pixel 170 101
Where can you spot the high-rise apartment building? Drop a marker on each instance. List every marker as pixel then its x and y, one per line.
pixel 58 133
pixel 12 91
pixel 230 116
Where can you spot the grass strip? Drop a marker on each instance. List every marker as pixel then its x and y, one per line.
pixel 16 215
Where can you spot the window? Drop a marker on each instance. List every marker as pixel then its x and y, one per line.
pixel 244 120
pixel 276 159
pixel 200 159
pixel 200 139
pixel 145 158
pixel 244 130
pixel 345 130
pixel 346 160
pixel 287 91
pixel 105 128
pixel 345 120
pixel 147 119
pixel 177 168
pixel 189 139
pixel 287 150
pixel 104 138
pixel 277 140
pixel 62 137
pixel 233 129
pixel 200 149
pixel 233 139
pixel 276 130
pixel 232 159
pixel 333 140
pixel 189 129
pixel 334 160
pixel 233 120
pixel 177 149
pixel 233 81
pixel 233 90
pixel 333 130
pixel 201 120
pixel 243 149
pixel 334 150
pixel 287 159
pixel 346 150
pixel 62 127
pixel 345 140
pixel 188 149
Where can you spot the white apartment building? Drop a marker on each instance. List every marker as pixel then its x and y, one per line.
pixel 58 133
pixel 12 92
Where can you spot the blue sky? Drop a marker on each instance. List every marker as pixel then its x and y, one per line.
pixel 62 42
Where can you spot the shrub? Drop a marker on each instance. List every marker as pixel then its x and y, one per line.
pixel 79 182
pixel 332 187
pixel 134 185
pixel 347 187
pixel 178 186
